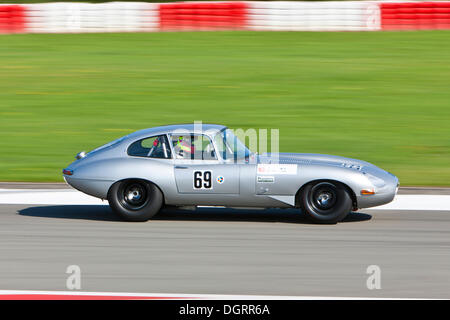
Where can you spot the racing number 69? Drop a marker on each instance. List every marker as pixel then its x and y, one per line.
pixel 202 180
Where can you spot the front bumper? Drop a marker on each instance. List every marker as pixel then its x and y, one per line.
pixel 382 195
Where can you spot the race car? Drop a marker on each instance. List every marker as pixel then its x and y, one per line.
pixel 187 165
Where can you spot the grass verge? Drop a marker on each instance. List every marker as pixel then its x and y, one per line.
pixel 382 97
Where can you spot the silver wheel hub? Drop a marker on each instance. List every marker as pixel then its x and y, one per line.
pixel 324 199
pixel 134 195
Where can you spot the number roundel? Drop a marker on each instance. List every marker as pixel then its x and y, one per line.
pixel 202 180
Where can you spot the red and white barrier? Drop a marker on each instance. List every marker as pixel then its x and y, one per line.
pixel 314 16
pixel 415 15
pixel 203 16
pixel 66 17
pixel 12 18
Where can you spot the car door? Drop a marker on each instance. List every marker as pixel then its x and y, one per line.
pixel 197 168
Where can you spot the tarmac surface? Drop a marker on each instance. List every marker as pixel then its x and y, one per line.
pixel 226 251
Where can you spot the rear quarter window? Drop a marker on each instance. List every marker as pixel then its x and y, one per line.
pixel 151 147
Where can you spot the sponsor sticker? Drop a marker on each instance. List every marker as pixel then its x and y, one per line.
pixel 266 179
pixel 276 168
pixel 220 179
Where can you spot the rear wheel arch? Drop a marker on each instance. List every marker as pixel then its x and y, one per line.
pixel 135 199
pixel 137 179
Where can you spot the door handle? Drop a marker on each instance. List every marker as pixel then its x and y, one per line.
pixel 180 167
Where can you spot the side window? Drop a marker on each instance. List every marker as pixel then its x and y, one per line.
pixel 153 147
pixel 193 147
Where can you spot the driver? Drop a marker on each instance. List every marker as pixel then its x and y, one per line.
pixel 183 147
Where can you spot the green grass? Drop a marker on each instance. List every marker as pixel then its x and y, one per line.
pixel 383 97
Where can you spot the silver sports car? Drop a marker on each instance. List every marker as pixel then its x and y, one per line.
pixel 187 166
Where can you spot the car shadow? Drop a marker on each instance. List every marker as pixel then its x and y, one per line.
pixel 81 212
pixel 104 213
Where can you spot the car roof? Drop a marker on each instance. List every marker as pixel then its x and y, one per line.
pixel 169 129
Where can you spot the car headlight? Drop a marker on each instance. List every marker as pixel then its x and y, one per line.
pixel 377 182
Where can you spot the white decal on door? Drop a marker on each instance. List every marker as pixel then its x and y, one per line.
pixel 277 168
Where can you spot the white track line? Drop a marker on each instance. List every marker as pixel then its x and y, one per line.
pixel 47 197
pixel 73 197
pixel 181 296
pixel 418 202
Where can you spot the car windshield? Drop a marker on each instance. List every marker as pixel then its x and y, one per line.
pixel 230 147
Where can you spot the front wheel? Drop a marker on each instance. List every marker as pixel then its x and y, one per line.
pixel 326 202
pixel 135 200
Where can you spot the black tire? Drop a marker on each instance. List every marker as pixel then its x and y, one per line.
pixel 135 200
pixel 326 202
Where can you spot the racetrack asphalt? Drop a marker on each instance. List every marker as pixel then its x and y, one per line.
pixel 226 251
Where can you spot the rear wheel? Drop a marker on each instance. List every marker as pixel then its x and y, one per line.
pixel 135 200
pixel 326 202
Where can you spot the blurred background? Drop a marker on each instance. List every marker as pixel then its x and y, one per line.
pixel 382 96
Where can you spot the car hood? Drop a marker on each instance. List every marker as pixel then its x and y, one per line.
pixel 313 159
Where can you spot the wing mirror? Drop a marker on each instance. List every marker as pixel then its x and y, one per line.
pixel 80 155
